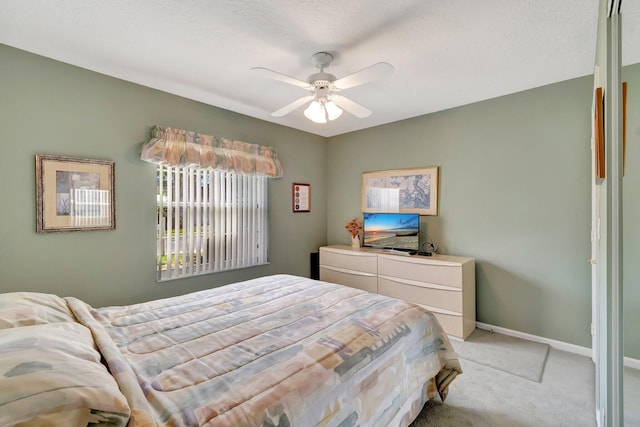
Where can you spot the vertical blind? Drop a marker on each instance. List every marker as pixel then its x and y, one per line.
pixel 209 221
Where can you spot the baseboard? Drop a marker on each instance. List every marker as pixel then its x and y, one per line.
pixel 632 363
pixel 558 345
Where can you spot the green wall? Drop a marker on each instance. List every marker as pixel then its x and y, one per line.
pixel 52 108
pixel 630 216
pixel 514 194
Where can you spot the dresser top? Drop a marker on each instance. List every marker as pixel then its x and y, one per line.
pixel 387 252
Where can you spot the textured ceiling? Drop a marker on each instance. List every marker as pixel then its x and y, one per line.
pixel 445 53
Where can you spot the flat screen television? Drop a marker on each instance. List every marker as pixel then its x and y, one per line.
pixel 398 231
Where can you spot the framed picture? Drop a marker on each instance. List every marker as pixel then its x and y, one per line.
pixel 624 127
pixel 301 197
pixel 598 134
pixel 74 194
pixel 401 190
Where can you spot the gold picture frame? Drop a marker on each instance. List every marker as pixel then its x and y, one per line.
pixel 412 190
pixel 598 133
pixel 74 194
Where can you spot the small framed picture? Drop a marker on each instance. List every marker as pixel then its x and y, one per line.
pixel 301 197
pixel 74 194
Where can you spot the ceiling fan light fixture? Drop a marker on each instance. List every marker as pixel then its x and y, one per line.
pixel 315 112
pixel 333 111
pixel 322 111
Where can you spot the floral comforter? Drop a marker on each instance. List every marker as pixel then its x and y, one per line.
pixel 274 351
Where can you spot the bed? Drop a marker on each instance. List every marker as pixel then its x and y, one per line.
pixel 279 350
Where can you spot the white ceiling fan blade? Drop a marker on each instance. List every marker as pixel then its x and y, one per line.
pixel 375 71
pixel 281 77
pixel 353 107
pixel 290 107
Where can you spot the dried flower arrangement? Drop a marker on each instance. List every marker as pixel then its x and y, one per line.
pixel 354 227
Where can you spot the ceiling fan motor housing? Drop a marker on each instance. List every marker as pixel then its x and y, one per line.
pixel 321 79
pixel 318 80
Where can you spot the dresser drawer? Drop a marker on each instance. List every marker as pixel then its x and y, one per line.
pixel 451 324
pixel 448 274
pixel 446 299
pixel 365 281
pixel 443 284
pixel 358 261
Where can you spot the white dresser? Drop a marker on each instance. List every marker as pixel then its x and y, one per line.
pixel 443 284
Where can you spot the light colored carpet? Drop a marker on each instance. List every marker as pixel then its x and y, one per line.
pixel 512 355
pixel 486 397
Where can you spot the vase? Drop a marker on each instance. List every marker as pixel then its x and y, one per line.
pixel 355 241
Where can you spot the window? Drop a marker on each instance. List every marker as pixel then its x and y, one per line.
pixel 209 221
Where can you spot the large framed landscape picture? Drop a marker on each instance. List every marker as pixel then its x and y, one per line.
pixel 412 190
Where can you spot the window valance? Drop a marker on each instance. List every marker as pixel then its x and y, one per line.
pixel 175 147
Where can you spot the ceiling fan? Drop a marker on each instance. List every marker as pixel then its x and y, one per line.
pixel 325 101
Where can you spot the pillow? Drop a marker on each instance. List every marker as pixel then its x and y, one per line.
pixel 51 375
pixel 32 308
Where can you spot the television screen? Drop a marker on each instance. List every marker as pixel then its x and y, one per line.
pixel 392 231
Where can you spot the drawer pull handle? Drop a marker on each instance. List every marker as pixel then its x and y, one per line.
pixel 420 284
pixel 351 272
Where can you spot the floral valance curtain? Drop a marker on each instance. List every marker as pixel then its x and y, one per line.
pixel 175 147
